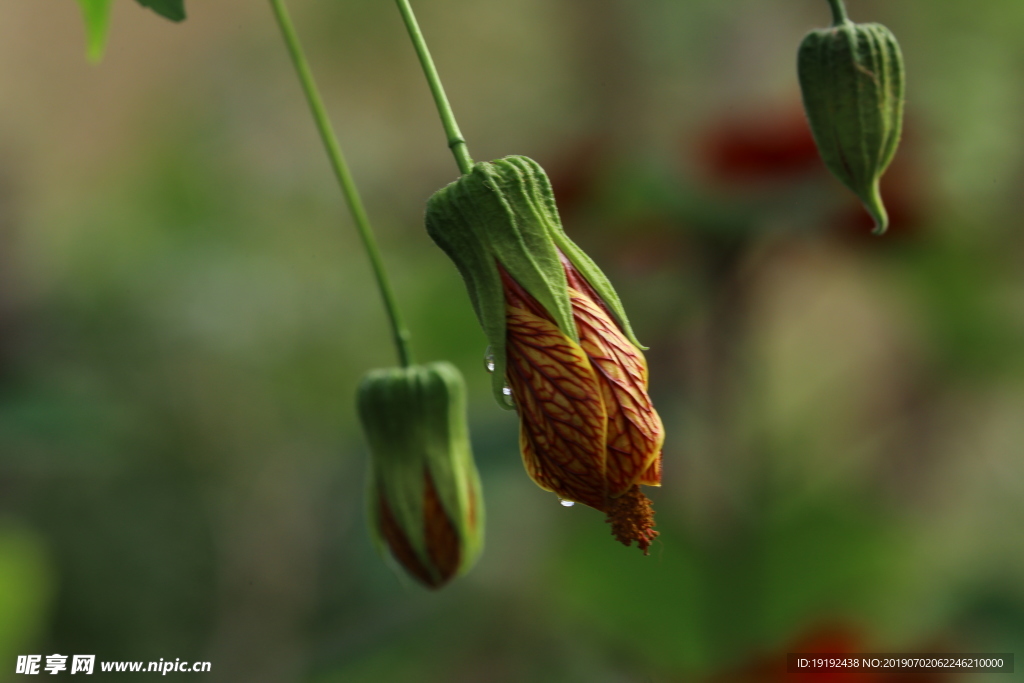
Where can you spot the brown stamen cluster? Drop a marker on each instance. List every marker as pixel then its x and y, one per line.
pixel 632 518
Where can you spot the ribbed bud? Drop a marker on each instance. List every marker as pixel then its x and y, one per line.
pixel 425 500
pixel 561 344
pixel 852 80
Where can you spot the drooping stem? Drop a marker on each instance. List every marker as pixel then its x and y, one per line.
pixel 456 142
pixel 344 177
pixel 838 12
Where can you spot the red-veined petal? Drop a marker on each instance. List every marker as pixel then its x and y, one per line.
pixel 635 433
pixel 652 475
pixel 559 401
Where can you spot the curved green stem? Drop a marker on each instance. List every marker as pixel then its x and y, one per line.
pixel 456 142
pixel 344 176
pixel 838 12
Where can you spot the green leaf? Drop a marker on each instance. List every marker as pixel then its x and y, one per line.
pixel 172 9
pixel 96 14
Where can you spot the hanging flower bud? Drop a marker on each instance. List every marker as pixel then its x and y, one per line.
pixel 425 500
pixel 561 343
pixel 852 80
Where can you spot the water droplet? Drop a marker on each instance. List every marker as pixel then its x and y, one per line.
pixel 506 390
pixel 489 359
pixel 506 393
pixel 566 503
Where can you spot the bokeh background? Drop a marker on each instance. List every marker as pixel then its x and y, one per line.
pixel 185 312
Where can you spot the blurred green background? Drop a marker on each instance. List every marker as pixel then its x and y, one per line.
pixel 185 312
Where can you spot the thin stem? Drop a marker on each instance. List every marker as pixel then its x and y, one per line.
pixel 456 142
pixel 838 12
pixel 344 176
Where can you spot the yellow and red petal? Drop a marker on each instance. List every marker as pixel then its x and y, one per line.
pixel 634 432
pixel 652 475
pixel 398 542
pixel 443 542
pixel 557 395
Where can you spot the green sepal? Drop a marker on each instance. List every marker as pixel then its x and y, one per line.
pixel 852 80
pixel 503 212
pixel 96 15
pixel 169 9
pixel 415 422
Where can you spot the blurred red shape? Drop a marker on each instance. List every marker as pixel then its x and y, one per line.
pixel 758 148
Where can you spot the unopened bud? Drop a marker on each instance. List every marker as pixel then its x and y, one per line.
pixel 560 343
pixel 852 80
pixel 425 501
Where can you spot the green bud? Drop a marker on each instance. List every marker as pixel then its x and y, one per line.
pixel 852 80
pixel 425 500
pixel 503 213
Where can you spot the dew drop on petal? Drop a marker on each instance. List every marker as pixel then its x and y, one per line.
pixel 489 359
pixel 566 503
pixel 507 393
